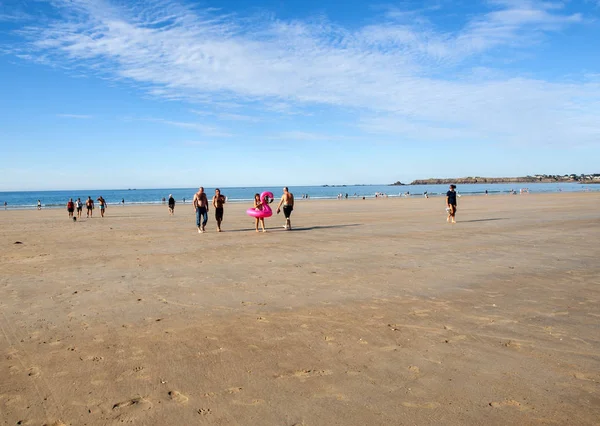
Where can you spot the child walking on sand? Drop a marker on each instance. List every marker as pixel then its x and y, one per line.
pixel 258 205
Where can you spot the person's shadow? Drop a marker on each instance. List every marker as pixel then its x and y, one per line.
pixel 298 229
pixel 312 228
pixel 484 220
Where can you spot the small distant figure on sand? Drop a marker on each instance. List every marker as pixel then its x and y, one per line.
pixel 5 204
pixel 486 192
pixel 70 207
pixel 451 204
pixel 287 202
pixel 102 202
pixel 79 207
pixel 217 202
pixel 39 205
pixel 89 204
pixel 171 205
pixel 425 194
pixel 184 200
pixel 123 201
pixel 164 200
pixel 200 204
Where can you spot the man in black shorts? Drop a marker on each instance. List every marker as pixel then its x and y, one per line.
pixel 217 202
pixel 287 201
pixel 451 203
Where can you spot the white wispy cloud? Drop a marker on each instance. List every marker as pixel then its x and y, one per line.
pixel 75 116
pixel 397 77
pixel 206 130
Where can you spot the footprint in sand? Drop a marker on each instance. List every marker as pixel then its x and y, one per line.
pixel 508 403
pixel 428 405
pixel 56 423
pixel 178 397
pixel 414 369
pixel 234 390
pixel 140 402
pixel 312 373
pixel 33 372
pixel 204 411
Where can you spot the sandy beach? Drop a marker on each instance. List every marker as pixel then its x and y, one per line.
pixel 370 312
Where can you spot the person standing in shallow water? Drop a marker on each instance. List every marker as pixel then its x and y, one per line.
pixel 217 202
pixel 200 204
pixel 451 204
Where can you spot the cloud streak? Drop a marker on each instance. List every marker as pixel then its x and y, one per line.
pixel 397 78
pixel 75 116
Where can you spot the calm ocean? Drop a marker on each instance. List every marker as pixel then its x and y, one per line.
pixel 54 199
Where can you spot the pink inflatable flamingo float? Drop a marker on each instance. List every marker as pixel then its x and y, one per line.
pixel 266 210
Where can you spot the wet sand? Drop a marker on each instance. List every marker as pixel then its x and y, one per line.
pixel 373 312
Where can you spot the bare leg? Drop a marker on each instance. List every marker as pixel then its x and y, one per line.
pixel 256 220
pixel 262 222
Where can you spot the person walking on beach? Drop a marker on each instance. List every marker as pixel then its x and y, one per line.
pixel 70 207
pixel 102 202
pixel 200 204
pixel 287 201
pixel 79 207
pixel 171 205
pixel 123 201
pixel 217 202
pixel 89 204
pixel 451 203
pixel 258 205
pixel 39 205
pixel 5 204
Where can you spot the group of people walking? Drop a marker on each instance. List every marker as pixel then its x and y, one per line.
pixel 201 206
pixel 89 205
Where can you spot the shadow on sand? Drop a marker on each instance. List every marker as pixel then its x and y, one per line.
pixel 312 228
pixel 299 229
pixel 483 220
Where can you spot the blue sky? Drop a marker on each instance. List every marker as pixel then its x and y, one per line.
pixel 165 93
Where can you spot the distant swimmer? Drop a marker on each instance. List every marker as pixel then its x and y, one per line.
pixel 200 204
pixel 70 207
pixel 287 202
pixel 451 204
pixel 171 205
pixel 217 202
pixel 102 202
pixel 89 204
pixel 39 205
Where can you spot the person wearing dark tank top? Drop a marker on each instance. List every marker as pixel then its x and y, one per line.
pixel 451 203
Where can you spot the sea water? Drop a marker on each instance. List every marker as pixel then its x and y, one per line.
pixel 56 199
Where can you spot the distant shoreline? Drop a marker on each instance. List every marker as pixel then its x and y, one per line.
pixel 584 179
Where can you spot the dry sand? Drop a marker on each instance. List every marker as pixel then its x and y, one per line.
pixel 372 312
